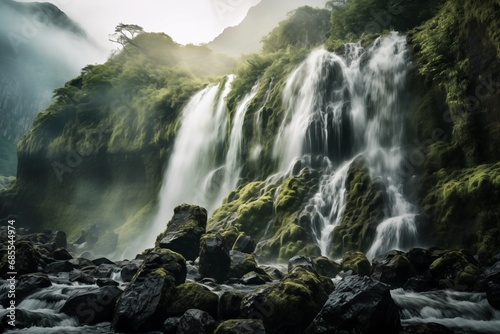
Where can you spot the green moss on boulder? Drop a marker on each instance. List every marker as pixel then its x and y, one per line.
pixel 357 262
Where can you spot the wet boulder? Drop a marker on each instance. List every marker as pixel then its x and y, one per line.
pixel 244 243
pixel 142 305
pixel 229 304
pixel 166 259
pixel 358 305
pixel 455 270
pixel 288 306
pixel 128 271
pixel 392 268
pixel 357 263
pixel 61 254
pixel 94 306
pixel 196 322
pixel 184 231
pixel 241 326
pixel 255 278
pixel 170 325
pixel 193 295
pixel 420 259
pixel 326 267
pixel 215 261
pixel 493 294
pixel 301 261
pixel 241 264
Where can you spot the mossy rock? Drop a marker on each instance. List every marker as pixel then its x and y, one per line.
pixel 463 204
pixel 193 295
pixel 288 306
pixel 357 262
pixel 246 209
pixel 364 210
pixel 456 267
pixel 184 231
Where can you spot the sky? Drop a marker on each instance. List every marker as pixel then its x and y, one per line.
pixel 186 21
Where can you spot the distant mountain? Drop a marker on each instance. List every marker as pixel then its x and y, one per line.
pixel 40 49
pixel 261 19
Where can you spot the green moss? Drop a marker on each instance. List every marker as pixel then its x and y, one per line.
pixel 364 210
pixel 193 295
pixel 464 207
pixel 357 262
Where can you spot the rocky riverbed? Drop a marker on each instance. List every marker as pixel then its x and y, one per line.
pixel 196 281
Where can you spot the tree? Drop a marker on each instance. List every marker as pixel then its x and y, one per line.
pixel 125 34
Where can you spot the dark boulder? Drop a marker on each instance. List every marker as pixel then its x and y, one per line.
pixel 196 322
pixel 301 261
pixel 255 278
pixel 326 267
pixel 241 264
pixel 455 270
pixel 420 259
pixel 288 306
pixel 59 267
pixel 419 284
pixel 93 307
pixel 102 260
pixel 230 304
pixel 215 261
pixel 81 277
pixel 358 305
pixel 241 326
pixel 170 325
pixel 493 294
pixel 392 268
pixel 184 231
pixel 244 243
pixel 193 295
pixel 142 305
pixel 61 254
pixel 169 260
pixel 128 271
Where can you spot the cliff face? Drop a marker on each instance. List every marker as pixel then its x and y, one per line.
pixel 97 155
pixel 37 55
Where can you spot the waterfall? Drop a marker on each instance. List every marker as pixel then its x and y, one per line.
pixel 232 166
pixel 193 160
pixel 340 107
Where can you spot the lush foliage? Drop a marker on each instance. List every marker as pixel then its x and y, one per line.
pixel 304 28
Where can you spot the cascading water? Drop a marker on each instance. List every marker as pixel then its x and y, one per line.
pixel 202 131
pixel 463 312
pixel 343 107
pixel 194 175
pixel 232 166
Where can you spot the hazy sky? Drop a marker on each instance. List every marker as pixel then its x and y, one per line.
pixel 186 21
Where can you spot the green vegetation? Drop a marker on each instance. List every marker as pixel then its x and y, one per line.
pixel 100 147
pixel 304 28
pixel 464 207
pixel 364 210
